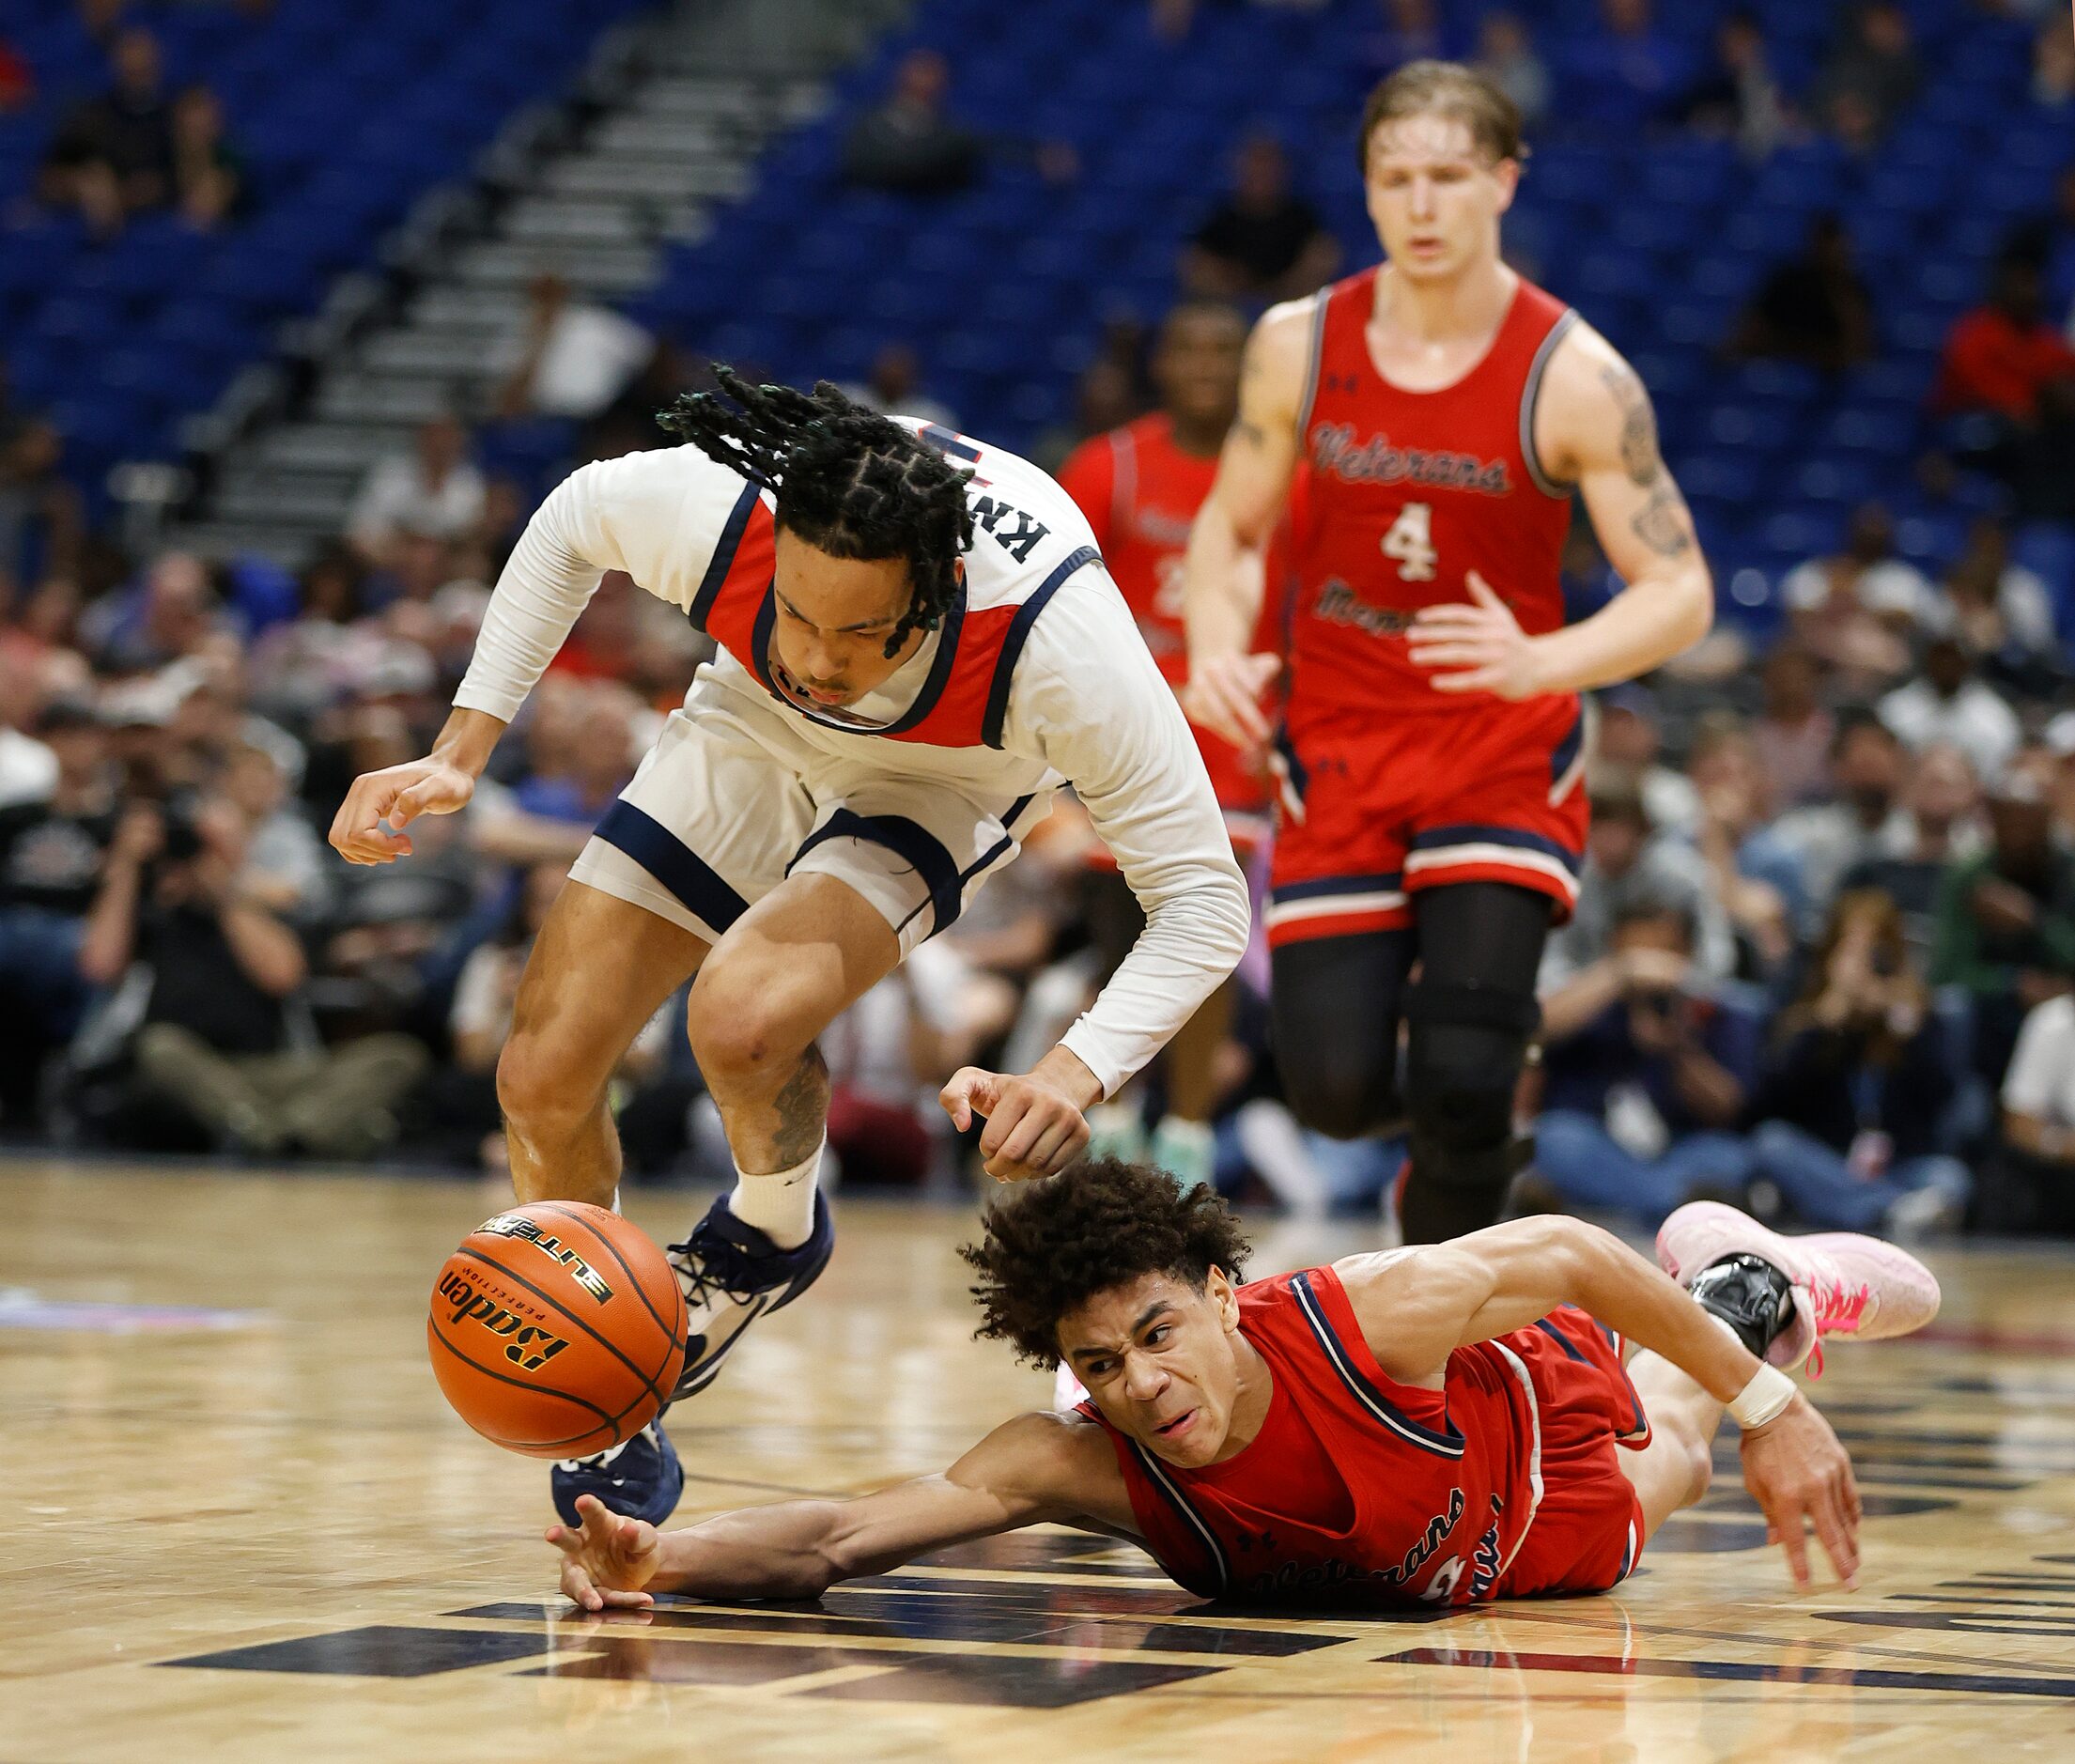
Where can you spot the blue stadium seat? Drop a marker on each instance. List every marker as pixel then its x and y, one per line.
pixel 339 120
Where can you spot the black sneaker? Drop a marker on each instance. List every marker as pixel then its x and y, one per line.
pixel 1750 1294
pixel 639 1477
pixel 731 1274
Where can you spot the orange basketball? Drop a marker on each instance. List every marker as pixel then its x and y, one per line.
pixel 557 1329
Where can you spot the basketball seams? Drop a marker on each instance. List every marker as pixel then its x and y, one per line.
pixel 574 1321
pixel 607 1423
pixel 673 1334
pixel 605 1419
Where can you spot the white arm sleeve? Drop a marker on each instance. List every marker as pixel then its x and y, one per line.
pixel 658 516
pixel 1088 699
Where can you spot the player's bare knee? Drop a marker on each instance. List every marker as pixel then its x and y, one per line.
pixel 541 1089
pixel 743 1028
pixel 1698 1453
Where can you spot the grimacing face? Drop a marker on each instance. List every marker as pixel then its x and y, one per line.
pixel 834 617
pixel 1435 194
pixel 1160 1359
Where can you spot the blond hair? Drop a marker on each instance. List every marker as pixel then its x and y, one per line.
pixel 1452 89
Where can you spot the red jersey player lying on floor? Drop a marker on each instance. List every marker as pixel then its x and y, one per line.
pixel 1442 1424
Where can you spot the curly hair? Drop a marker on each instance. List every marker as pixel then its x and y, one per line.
pixel 1051 1245
pixel 848 481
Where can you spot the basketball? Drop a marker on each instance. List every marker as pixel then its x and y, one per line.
pixel 556 1330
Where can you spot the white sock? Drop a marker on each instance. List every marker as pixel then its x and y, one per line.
pixel 780 1205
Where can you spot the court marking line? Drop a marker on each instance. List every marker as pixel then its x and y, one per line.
pixel 1041 1619
pixel 1846 1678
pixel 1883 1650
pixel 937 1646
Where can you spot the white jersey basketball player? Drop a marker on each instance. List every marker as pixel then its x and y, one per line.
pixel 919 645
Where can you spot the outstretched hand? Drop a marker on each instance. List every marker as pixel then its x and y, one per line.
pixel 608 1559
pixel 1034 1128
pixel 1800 1475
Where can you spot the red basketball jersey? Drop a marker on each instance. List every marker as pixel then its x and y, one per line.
pixel 1361 1487
pixel 1410 492
pixel 1140 492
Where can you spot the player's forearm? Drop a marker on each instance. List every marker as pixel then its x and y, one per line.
pixel 1067 1071
pixel 1654 618
pixel 545 586
pixel 1223 585
pixel 1192 941
pixel 467 739
pixel 1608 1279
pixel 777 1552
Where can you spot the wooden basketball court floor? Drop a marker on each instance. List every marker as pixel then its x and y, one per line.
pixel 241 1523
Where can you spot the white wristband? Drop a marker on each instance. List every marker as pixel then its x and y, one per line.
pixel 1762 1400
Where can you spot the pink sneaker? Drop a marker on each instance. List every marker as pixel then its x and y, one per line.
pixel 1844 1284
pixel 1068 1392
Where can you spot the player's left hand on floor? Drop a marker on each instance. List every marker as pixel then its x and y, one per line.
pixel 1800 1475
pixel 607 1561
pixel 1032 1128
pixel 1480 640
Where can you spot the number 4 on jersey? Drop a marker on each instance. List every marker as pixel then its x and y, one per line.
pixel 1410 540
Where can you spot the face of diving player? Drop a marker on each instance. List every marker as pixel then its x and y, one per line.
pixel 834 615
pixel 1162 1362
pixel 1435 195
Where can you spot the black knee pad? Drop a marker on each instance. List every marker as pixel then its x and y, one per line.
pixel 1339 1098
pixel 1464 1065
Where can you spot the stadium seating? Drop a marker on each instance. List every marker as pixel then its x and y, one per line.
pixel 341 117
pixel 1657 236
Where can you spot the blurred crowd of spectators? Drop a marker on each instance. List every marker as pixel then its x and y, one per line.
pixel 136 148
pixel 1824 958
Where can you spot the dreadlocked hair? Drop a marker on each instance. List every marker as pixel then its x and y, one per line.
pixel 1050 1245
pixel 848 481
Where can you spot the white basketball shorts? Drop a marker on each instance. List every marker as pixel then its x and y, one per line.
pixel 734 798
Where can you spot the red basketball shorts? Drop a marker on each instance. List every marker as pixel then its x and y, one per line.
pixel 1371 813
pixel 1587 1528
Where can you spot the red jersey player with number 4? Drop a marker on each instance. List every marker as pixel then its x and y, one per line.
pixel 1433 740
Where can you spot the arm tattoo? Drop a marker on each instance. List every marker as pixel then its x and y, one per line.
pixel 1252 433
pixel 1662 523
pixel 803 1105
pixel 1639 455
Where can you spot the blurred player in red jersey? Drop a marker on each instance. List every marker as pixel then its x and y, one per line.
pixel 1446 410
pixel 1141 486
